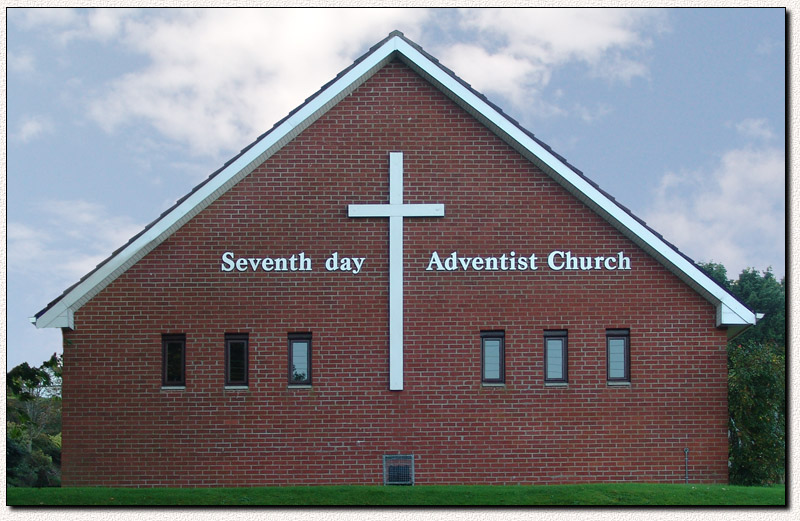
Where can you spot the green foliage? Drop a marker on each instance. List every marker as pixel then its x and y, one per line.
pixel 763 293
pixel 717 272
pixel 757 383
pixel 26 382
pixel 32 461
pixel 33 425
pixel 757 379
pixel 757 413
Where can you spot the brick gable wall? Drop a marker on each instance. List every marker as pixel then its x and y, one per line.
pixel 120 428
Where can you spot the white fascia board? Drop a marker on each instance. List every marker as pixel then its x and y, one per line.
pixel 728 316
pixel 732 312
pixel 313 109
pixel 213 188
pixel 61 317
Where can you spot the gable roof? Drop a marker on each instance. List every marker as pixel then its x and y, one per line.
pixel 730 312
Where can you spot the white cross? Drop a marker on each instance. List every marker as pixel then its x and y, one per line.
pixel 395 211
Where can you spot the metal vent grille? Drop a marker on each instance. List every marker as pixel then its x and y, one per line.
pixel 398 469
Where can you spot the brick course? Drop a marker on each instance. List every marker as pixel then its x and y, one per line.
pixel 120 428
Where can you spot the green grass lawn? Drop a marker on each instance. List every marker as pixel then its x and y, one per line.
pixel 621 494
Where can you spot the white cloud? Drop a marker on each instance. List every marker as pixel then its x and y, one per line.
pixel 66 25
pixel 21 62
pixel 25 245
pixel 65 242
pixel 733 214
pixel 513 77
pixel 754 129
pixel 217 79
pixel 590 115
pixel 214 80
pixel 73 238
pixel 45 16
pixel 106 23
pixel 529 44
pixel 33 127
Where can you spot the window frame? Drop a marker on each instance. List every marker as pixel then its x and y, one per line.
pixel 560 334
pixel 625 335
pixel 499 335
pixel 237 337
pixel 298 337
pixel 167 339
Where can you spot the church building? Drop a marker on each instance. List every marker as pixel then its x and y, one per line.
pixel 396 284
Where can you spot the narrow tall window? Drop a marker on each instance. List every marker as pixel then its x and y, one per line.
pixel 300 358
pixel 236 359
pixel 173 351
pixel 493 357
pixel 555 356
pixel 619 355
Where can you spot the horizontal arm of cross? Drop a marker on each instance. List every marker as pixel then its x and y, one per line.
pixel 395 210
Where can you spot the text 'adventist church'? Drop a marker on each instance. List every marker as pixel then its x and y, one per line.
pixel 396 284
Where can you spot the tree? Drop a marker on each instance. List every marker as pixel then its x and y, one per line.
pixel 763 294
pixel 757 413
pixel 718 273
pixel 33 424
pixel 757 379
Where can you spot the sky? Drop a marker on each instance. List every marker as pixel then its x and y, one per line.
pixel 113 115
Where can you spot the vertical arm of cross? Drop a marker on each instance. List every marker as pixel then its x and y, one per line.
pixel 396 296
pixel 395 178
pixel 396 211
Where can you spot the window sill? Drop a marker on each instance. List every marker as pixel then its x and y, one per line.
pixel 173 387
pixel 493 384
pixel 618 384
pixel 299 386
pixel 236 388
pixel 556 384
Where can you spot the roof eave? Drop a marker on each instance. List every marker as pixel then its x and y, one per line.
pixel 730 312
pixel 217 184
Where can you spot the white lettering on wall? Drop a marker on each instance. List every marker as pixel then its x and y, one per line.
pixel 505 262
pixel 296 262
pixel 560 260
pixel 334 263
pixel 557 260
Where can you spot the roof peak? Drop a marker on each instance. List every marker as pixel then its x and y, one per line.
pixel 59 313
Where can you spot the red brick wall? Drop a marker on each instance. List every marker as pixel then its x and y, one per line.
pixel 120 428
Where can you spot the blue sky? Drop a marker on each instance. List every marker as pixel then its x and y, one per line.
pixel 113 115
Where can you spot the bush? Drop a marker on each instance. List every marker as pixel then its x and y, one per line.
pixel 32 462
pixel 757 413
pixel 33 425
